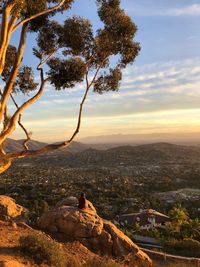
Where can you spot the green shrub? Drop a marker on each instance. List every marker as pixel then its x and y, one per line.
pixel 43 249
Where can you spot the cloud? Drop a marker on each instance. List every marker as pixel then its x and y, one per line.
pixel 171 121
pixel 189 10
pixel 153 97
pixel 148 88
pixel 192 10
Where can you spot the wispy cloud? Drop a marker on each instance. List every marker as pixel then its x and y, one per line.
pixel 192 10
pixel 148 88
pixel 189 10
pixel 153 97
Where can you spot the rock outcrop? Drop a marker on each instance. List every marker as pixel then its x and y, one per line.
pixel 98 235
pixel 11 263
pixel 9 209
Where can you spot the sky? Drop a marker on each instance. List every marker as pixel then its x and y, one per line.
pixel 159 93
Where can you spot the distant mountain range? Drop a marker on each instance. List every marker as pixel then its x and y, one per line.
pixel 17 145
pixel 106 142
pixel 79 154
pixel 132 155
pixel 139 139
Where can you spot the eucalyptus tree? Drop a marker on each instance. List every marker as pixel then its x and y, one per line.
pixel 83 54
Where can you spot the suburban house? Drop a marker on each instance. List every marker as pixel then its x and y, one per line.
pixel 146 219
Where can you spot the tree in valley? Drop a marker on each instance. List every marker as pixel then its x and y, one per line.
pixel 84 56
pixel 178 215
pixel 181 225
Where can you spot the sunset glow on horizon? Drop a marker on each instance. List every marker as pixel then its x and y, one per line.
pixel 160 92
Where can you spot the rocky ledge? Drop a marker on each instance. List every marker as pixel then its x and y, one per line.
pixel 98 235
pixel 9 209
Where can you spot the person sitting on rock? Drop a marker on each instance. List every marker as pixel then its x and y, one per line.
pixel 82 202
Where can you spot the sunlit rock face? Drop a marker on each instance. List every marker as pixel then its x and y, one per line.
pixel 9 209
pixel 99 235
pixel 11 263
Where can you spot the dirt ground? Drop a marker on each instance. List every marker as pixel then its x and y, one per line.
pixel 9 246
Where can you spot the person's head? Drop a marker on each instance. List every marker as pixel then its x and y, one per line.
pixel 82 194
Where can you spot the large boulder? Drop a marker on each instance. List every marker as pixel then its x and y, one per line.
pixel 72 222
pixel 9 209
pixel 99 235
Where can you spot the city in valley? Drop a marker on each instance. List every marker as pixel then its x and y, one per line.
pixel 140 188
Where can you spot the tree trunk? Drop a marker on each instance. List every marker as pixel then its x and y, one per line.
pixel 4 163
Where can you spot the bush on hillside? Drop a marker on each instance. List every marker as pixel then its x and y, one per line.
pixel 43 249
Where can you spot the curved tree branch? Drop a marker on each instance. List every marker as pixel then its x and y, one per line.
pixel 4 27
pixel 46 59
pixel 14 118
pixel 81 105
pixel 7 28
pixel 9 32
pixel 14 72
pixel 28 137
pixel 6 117
pixel 39 14
pixel 51 147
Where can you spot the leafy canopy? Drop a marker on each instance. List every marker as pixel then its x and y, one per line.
pixel 81 50
pixel 68 53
